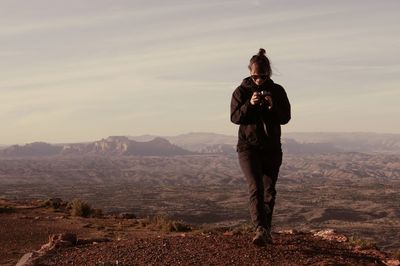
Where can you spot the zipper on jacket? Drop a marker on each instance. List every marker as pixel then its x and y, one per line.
pixel 265 128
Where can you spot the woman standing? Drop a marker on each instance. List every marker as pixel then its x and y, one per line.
pixel 260 107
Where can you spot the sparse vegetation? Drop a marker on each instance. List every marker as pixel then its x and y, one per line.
pixel 396 255
pixel 83 209
pixel 6 209
pixel 55 203
pixel 214 190
pixel 242 228
pixel 235 229
pixel 361 243
pixel 161 222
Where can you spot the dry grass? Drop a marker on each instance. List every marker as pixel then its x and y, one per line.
pixel 55 203
pixel 83 209
pixel 6 209
pixel 237 229
pixel 161 222
pixel 396 255
pixel 361 243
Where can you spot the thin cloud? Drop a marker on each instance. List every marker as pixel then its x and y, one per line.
pixel 134 61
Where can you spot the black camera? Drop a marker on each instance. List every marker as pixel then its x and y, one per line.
pixel 263 94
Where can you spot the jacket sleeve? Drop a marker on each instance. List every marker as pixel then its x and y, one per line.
pixel 281 108
pixel 241 109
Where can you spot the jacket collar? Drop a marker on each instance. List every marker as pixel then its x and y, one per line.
pixel 248 83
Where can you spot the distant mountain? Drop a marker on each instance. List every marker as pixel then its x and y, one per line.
pixel 147 137
pixel 226 144
pixel 296 143
pixel 121 145
pixel 31 149
pixel 356 142
pixel 3 146
pixel 202 142
pixel 194 141
pixel 157 146
pixel 111 146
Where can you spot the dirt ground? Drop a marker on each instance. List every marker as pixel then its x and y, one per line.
pixel 28 226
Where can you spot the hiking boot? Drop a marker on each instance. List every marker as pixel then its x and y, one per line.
pixel 262 237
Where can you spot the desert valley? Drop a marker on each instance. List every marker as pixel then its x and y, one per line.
pixel 196 178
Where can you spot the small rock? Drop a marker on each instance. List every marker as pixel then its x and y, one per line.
pixel 288 232
pixel 24 259
pixel 392 262
pixel 87 225
pixel 330 235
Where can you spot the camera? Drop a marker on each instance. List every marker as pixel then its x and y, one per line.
pixel 263 94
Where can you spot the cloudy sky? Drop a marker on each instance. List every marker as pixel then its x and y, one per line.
pixel 81 70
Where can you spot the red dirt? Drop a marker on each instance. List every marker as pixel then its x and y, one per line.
pixel 28 228
pixel 205 249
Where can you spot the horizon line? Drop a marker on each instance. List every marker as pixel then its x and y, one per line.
pixel 205 132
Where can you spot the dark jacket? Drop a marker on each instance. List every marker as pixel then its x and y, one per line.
pixel 259 126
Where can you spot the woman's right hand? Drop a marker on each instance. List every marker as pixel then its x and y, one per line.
pixel 255 98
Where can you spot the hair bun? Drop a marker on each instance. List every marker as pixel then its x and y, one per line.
pixel 261 51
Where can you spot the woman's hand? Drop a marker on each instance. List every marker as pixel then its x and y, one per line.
pixel 255 98
pixel 268 99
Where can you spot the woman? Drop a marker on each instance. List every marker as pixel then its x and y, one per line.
pixel 260 107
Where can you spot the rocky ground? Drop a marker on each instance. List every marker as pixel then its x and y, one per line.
pixel 25 228
pixel 214 249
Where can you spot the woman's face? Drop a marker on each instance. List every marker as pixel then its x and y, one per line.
pixel 258 74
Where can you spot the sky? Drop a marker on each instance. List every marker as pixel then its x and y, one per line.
pixel 82 70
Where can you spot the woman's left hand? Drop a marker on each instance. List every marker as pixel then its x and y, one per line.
pixel 269 101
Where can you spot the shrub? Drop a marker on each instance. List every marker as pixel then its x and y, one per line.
pixel 6 209
pixel 242 228
pixel 361 243
pixel 55 203
pixel 236 229
pixel 80 208
pixel 161 222
pixel 396 254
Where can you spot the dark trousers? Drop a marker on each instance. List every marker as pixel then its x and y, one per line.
pixel 261 169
